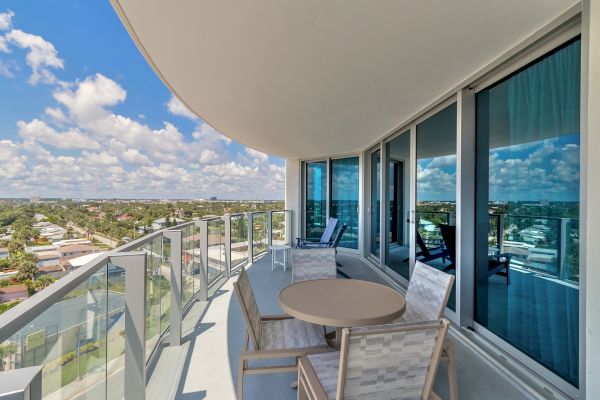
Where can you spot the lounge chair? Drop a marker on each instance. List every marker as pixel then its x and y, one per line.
pixel 497 263
pixel 273 337
pixel 428 253
pixel 395 361
pixel 325 240
pixel 309 264
pixel 426 299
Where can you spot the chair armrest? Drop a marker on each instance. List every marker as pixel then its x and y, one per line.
pixel 275 317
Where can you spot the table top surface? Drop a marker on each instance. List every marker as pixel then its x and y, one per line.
pixel 342 302
pixel 280 247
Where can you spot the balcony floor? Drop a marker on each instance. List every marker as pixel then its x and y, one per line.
pixel 205 366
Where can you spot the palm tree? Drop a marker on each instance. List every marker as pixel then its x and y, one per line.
pixel 6 350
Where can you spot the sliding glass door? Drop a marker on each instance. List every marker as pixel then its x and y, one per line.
pixel 397 186
pixel 435 220
pixel 315 199
pixel 375 211
pixel 527 214
pixel 344 199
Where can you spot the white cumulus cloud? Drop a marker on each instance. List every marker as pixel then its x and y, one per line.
pixel 41 55
pixel 176 107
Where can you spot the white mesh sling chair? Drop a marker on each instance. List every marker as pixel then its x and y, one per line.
pixel 385 362
pixel 272 337
pixel 310 264
pixel 426 299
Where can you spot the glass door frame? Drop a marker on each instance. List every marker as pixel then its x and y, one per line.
pixel 361 189
pixel 369 206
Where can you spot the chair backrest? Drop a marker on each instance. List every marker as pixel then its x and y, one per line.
pixel 313 263
pixel 394 361
pixel 422 246
pixel 249 307
pixel 449 236
pixel 427 293
pixel 338 237
pixel 329 229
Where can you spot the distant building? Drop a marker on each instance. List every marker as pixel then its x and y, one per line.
pixel 34 199
pixel 76 262
pixel 123 217
pixel 40 249
pixel 54 270
pixel 3 252
pixel 66 242
pixel 77 250
pixel 161 223
pixel 12 292
pixel 46 258
pixel 212 198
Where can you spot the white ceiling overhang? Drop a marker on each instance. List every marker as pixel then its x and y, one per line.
pixel 311 78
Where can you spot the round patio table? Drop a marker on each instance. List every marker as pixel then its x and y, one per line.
pixel 342 303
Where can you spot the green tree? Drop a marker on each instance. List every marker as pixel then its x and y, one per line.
pixel 6 350
pixel 16 246
pixel 26 264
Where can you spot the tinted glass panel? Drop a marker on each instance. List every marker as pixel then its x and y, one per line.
pixel 344 198
pixel 527 266
pixel 316 199
pixel 398 191
pixel 375 201
pixel 436 192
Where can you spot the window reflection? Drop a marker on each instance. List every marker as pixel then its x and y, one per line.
pixel 527 260
pixel 344 198
pixel 436 193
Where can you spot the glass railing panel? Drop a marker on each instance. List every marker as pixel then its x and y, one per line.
pixel 259 233
pixel 239 240
pixel 428 223
pixel 69 339
pixel 190 250
pixel 278 223
pixel 115 337
pixel 216 249
pixel 164 277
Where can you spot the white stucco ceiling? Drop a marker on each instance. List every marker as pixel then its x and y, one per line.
pixel 316 77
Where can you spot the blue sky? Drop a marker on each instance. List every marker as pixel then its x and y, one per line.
pixel 83 115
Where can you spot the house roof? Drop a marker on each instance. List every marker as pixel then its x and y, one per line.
pixel 51 268
pixel 74 248
pixel 13 289
pixel 48 255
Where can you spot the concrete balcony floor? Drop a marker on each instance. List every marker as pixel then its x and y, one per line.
pixel 205 366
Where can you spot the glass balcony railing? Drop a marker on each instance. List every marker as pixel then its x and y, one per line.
pixel 98 327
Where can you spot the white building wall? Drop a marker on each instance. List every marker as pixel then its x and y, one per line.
pixel 591 134
pixel 293 195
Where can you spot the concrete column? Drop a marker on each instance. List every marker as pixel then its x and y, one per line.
pixel 293 196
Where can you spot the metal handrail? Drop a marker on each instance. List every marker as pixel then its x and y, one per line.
pixel 14 319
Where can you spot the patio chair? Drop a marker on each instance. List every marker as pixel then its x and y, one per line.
pixel 309 264
pixel 426 299
pixel 497 263
pixel 395 361
pixel 325 240
pixel 273 337
pixel 428 253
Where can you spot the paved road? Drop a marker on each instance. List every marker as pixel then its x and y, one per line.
pixel 102 239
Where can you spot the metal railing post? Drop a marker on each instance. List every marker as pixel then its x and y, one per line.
pixel 135 322
pixel 21 384
pixel 202 293
pixel 175 237
pixel 227 242
pixel 288 227
pixel 269 229
pixel 250 218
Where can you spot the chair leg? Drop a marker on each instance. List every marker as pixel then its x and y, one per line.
pixel 240 387
pixel 452 381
